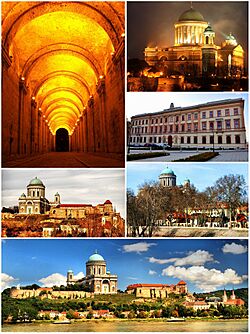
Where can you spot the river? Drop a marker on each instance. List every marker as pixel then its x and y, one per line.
pixel 133 326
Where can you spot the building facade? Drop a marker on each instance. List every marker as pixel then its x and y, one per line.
pixel 35 201
pixel 157 290
pixel 212 125
pixel 98 279
pixel 195 52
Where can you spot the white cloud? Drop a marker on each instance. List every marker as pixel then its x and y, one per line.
pixel 79 275
pixel 197 258
pixel 234 248
pixel 152 272
pixel 205 279
pixel 53 279
pixel 138 247
pixel 7 281
pixel 132 278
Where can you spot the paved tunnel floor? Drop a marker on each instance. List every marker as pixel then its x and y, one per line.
pixel 69 159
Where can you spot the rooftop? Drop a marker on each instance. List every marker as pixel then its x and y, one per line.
pixel 202 105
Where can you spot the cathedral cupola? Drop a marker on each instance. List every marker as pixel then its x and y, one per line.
pixel 167 178
pixel 209 35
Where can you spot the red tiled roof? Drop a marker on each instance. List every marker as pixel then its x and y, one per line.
pixel 74 205
pixel 182 283
pixel 108 202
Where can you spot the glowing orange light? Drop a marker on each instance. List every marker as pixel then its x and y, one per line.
pixel 123 35
pixel 33 98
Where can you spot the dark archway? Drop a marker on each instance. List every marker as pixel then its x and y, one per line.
pixel 170 141
pixel 62 140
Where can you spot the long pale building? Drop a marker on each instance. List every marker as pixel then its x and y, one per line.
pixel 217 124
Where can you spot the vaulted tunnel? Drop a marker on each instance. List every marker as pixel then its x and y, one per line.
pixel 69 75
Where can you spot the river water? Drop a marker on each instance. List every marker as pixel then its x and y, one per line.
pixel 133 326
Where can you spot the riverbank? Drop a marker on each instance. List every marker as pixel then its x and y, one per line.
pixel 134 325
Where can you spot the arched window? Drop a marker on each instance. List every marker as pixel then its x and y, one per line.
pixel 219 139
pixel 228 139
pixel 207 40
pixel 237 139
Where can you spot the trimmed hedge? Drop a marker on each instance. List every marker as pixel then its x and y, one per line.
pixel 146 155
pixel 200 157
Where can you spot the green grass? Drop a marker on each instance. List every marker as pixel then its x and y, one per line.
pixel 146 155
pixel 200 157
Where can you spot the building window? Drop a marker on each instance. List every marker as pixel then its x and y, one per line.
pixel 204 125
pixel 219 139
pixel 156 128
pixel 211 113
pixel 219 125
pixel 156 121
pixel 161 120
pixel 218 113
pixel 159 140
pixel 228 124
pixel 189 117
pixel 211 125
pixel 204 141
pixel 188 140
pixel 182 140
pixel 211 139
pixel 176 128
pixel 160 129
pixel 183 128
pixel 227 112
pixel 195 126
pixel 183 117
pixel 236 111
pixel 171 128
pixel 196 115
pixel 146 130
pixel 145 139
pixel 150 139
pixel 171 119
pixel 228 139
pixel 237 139
pixel 152 121
pixel 166 120
pixel 204 114
pixel 155 140
pixel 166 129
pixel 177 118
pixel 189 127
pixel 195 140
pixel 236 123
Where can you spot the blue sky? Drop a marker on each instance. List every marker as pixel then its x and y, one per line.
pixel 205 264
pixel 201 175
pixel 140 103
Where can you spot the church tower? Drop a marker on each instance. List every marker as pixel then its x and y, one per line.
pixel 57 198
pixel 232 295
pixel 224 298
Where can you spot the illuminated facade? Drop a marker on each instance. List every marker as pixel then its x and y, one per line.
pixel 218 124
pixel 98 279
pixel 157 290
pixel 195 52
pixel 63 86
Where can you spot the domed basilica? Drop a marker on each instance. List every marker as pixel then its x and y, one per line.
pixel 195 52
pixel 98 279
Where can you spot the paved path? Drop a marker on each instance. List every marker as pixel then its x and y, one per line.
pixel 176 155
pixel 231 156
pixel 68 160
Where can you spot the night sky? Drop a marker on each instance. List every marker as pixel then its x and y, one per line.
pixel 152 23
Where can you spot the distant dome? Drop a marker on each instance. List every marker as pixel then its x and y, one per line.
pixel 108 202
pixel 95 257
pixel 23 195
pixel 36 182
pixel 191 15
pixel 208 29
pixel 57 194
pixel 168 171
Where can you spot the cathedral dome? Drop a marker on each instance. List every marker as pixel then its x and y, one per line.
pixel 36 182
pixel 191 15
pixel 95 257
pixel 168 171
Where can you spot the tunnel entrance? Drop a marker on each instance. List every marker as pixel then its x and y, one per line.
pixel 62 140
